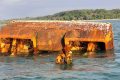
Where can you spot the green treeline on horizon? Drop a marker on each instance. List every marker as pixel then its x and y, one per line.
pixel 85 14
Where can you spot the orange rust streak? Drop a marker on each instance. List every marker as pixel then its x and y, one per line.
pixel 91 47
pixel 85 39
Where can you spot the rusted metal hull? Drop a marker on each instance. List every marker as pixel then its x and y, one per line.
pixel 54 35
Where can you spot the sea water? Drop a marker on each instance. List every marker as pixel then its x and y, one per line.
pixel 44 67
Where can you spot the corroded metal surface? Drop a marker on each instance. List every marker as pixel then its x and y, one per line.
pixel 53 35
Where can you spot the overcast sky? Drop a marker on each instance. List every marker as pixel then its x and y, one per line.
pixel 30 8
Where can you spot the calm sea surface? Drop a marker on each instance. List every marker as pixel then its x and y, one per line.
pixel 44 68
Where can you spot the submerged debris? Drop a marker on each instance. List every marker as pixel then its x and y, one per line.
pixel 65 56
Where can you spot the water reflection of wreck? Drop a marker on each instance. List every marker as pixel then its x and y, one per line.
pixel 28 37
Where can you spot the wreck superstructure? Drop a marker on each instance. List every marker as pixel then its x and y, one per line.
pixel 32 36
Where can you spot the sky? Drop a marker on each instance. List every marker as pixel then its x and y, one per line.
pixel 33 8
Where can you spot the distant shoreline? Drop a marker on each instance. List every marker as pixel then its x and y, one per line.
pixel 61 20
pixel 100 20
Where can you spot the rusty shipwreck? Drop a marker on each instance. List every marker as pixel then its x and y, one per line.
pixel 23 36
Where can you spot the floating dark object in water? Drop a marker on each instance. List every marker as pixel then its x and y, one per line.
pixel 28 37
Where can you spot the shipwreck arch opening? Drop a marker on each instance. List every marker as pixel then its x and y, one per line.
pixel 101 46
pixel 25 47
pixel 13 46
pixel 5 46
pixel 87 46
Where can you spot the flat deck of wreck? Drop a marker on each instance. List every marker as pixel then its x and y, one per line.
pixel 54 35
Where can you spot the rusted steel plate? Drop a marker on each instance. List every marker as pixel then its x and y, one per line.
pixel 52 35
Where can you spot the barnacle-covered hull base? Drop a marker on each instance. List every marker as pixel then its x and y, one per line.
pixel 30 37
